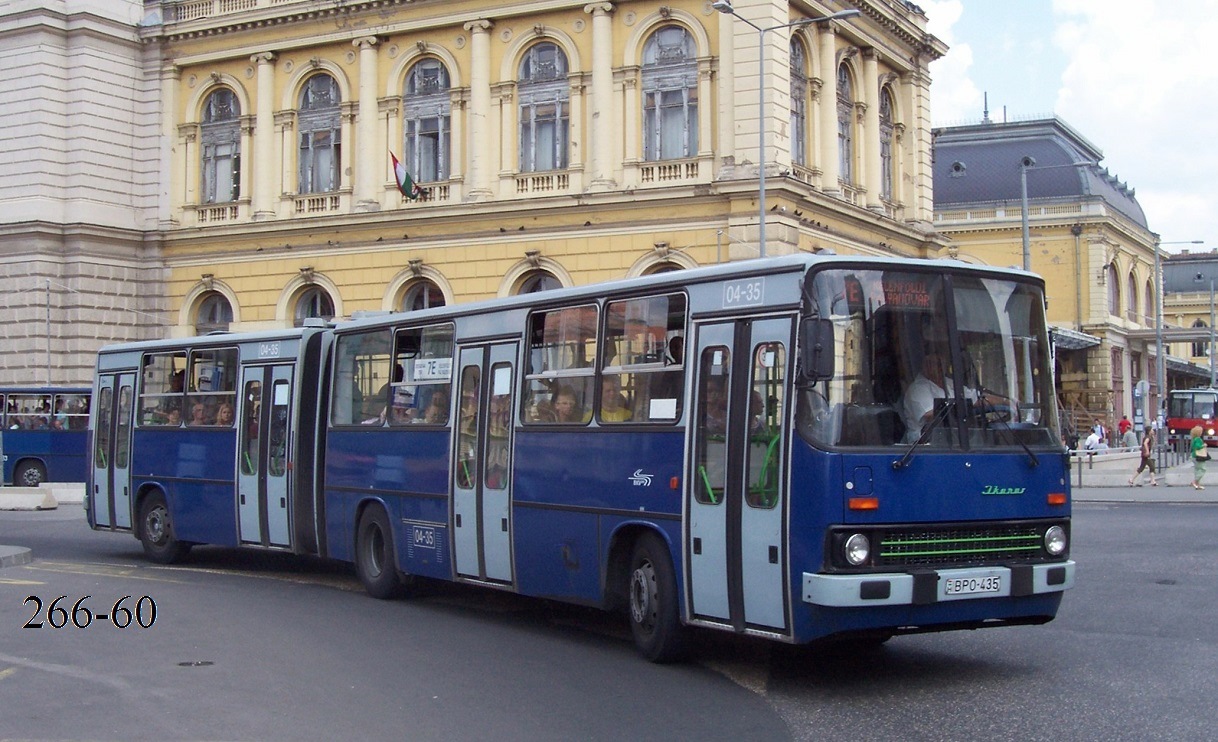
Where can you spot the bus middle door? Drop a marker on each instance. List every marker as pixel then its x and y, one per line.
pixel 264 455
pixel 113 407
pixel 737 487
pixel 482 540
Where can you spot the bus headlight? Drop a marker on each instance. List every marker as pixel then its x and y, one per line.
pixel 857 549
pixel 1055 541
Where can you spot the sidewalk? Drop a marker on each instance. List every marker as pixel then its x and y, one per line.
pixel 1105 478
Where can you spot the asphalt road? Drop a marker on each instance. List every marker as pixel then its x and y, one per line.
pixel 255 646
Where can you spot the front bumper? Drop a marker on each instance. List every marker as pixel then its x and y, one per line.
pixel 931 586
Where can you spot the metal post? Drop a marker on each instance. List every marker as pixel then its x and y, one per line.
pixel 1024 164
pixel 1211 348
pixel 1161 352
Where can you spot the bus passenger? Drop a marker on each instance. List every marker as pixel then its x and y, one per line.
pixel 198 414
pixel 224 414
pixel 613 406
pixel 566 408
pixel 436 412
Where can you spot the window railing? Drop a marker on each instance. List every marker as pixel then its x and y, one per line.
pixel 433 193
pixel 193 10
pixel 670 171
pixel 534 183
pixel 317 204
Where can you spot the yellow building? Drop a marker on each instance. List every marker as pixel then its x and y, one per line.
pixel 248 182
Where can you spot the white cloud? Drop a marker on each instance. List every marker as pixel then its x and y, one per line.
pixel 953 94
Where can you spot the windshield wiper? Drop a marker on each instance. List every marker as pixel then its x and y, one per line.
pixel 931 424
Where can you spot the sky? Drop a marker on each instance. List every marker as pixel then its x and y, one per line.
pixel 1135 79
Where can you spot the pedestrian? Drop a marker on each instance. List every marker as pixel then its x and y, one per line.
pixel 1123 426
pixel 1148 462
pixel 1129 439
pixel 1093 441
pixel 1201 455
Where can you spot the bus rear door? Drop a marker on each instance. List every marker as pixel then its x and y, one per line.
pixel 264 455
pixel 482 540
pixel 111 497
pixel 737 485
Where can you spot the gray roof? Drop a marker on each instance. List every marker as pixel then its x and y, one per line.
pixel 980 164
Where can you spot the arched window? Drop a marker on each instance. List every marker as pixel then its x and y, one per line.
pixel 544 114
pixel 422 294
pixel 1114 290
pixel 215 314
pixel 845 126
pixel 1149 295
pixel 886 130
pixel 1201 349
pixel 670 95
pixel 320 129
pixel 312 303
pixel 536 281
pixel 220 147
pixel 427 114
pixel 662 267
pixel 1131 298
pixel 799 104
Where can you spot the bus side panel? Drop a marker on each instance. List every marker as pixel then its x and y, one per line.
pixel 62 453
pixel 571 490
pixel 196 468
pixel 391 463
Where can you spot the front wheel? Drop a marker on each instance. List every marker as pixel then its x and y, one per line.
pixel 654 619
pixel 374 557
pixel 156 532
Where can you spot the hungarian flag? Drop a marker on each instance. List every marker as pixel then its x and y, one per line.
pixel 406 184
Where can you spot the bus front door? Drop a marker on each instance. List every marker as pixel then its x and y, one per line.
pixel 736 549
pixel 111 497
pixel 264 455
pixel 482 535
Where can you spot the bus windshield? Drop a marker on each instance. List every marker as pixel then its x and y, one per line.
pixel 930 359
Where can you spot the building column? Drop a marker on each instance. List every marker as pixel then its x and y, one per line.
pixel 170 206
pixel 827 49
pixel 480 147
pixel 365 134
pixel 871 130
pixel 264 138
pixel 600 154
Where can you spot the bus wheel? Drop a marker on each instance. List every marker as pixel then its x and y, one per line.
pixel 29 474
pixel 156 532
pixel 374 559
pixel 657 629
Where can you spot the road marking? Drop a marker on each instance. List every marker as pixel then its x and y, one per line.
pixel 100 570
pixel 6 581
pixel 5 673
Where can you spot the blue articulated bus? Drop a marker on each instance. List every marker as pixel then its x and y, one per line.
pixel 43 433
pixel 793 448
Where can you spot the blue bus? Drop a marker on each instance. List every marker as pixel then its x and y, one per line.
pixel 793 448
pixel 43 434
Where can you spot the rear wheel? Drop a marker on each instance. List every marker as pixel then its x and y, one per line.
pixel 29 474
pixel 654 618
pixel 374 556
pixel 156 531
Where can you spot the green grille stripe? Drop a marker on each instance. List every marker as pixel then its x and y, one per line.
pixel 956 551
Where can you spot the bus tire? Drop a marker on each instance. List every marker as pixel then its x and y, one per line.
pixel 374 555
pixel 654 619
pixel 29 474
pixel 156 531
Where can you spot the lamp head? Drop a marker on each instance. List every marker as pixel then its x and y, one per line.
pixel 723 6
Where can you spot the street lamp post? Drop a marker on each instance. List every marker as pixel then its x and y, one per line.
pixel 1209 348
pixel 725 7
pixel 1025 164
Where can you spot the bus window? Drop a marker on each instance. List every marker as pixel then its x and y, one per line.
pixel 29 411
pixel 71 412
pixel 362 379
pixel 212 385
pixel 101 444
pixel 161 387
pixel 423 365
pixel 767 405
pixel 559 377
pixel 710 414
pixel 499 425
pixel 467 443
pixel 644 350
pixel 278 455
pixel 122 441
pixel 252 397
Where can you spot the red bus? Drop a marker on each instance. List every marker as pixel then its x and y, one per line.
pixel 1187 408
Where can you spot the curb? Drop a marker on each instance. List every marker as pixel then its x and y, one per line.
pixel 12 556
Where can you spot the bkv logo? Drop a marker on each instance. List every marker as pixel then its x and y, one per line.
pixel 639 479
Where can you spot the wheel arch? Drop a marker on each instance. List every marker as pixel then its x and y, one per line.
pixel 362 507
pixel 137 505
pixel 617 564
pixel 28 458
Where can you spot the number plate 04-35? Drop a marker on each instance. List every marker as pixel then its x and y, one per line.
pixel 972 585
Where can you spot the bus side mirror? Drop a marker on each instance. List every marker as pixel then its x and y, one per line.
pixel 817 349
